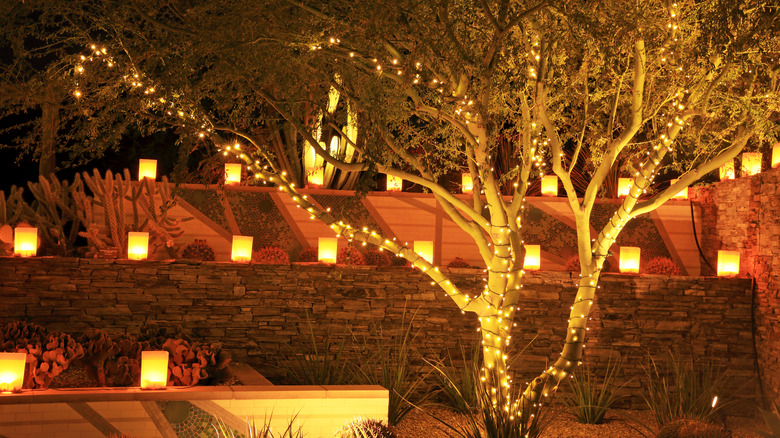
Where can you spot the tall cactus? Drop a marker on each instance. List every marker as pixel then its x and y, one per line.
pixel 108 193
pixel 11 208
pixel 54 212
pixel 162 229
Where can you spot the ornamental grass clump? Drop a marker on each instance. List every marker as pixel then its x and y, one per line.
pixel 253 429
pixel 458 382
pixel 502 419
pixel 588 398
pixel 389 363
pixel 318 363
pixel 685 390
pixel 692 428
pixel 772 420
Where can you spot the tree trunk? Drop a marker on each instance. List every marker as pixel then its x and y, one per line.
pixel 50 122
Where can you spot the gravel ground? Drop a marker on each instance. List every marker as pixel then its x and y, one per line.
pixel 619 424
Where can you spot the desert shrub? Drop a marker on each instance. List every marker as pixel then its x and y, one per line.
pixel 350 256
pixel 271 255
pixel 198 250
pixel 684 390
pixel 692 428
pixel 589 398
pixel 398 261
pixel 459 263
pixel 573 265
pixel 662 266
pixel 365 428
pixel 308 254
pixel 375 257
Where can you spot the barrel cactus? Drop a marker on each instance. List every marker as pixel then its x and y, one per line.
pixel 271 255
pixel 198 250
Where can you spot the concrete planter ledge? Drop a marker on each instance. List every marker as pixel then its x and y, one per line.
pixel 94 412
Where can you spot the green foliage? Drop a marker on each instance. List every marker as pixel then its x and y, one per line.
pixel 271 255
pixel 365 428
pixel 685 389
pixel 317 363
pixel 772 420
pixel 692 428
pixel 590 399
pixel 389 362
pixel 199 249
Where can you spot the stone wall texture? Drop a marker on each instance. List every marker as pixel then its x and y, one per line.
pixel 259 311
pixel 744 215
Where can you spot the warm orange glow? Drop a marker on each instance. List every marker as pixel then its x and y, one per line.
pixel 728 263
pixel 147 169
pixel 425 249
pixel 25 241
pixel 776 155
pixel 726 171
pixel 533 259
pixel 394 183
pixel 154 369
pixel 624 187
pixel 682 194
pixel 242 249
pixel 550 185
pixel 315 176
pixel 751 163
pixel 12 371
pixel 327 248
pixel 466 183
pixel 232 173
pixel 629 259
pixel 137 245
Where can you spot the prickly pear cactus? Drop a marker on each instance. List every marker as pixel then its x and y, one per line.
pixel 99 348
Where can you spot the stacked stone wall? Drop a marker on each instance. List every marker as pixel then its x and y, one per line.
pixel 744 215
pixel 259 311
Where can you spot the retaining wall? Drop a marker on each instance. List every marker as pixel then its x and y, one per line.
pixel 256 311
